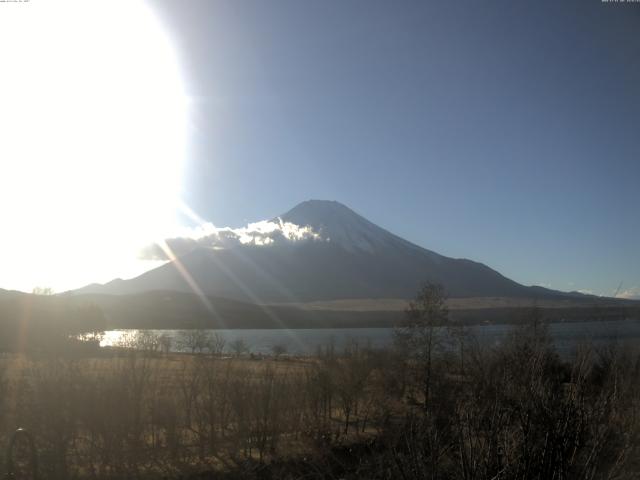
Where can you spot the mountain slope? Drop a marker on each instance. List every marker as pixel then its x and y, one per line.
pixel 353 259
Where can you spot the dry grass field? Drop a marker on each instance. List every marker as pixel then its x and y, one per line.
pixel 467 303
pixel 514 411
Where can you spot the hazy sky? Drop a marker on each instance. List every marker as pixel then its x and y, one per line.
pixel 506 132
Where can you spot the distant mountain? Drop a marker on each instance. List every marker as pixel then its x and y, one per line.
pixel 352 258
pixel 4 294
pixel 163 309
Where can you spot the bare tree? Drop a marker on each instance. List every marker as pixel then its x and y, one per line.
pixel 239 347
pixel 278 350
pixel 193 341
pixel 421 332
pixel 148 342
pixel 43 291
pixel 217 342
pixel 165 343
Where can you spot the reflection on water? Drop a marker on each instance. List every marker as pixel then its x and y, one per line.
pixel 566 336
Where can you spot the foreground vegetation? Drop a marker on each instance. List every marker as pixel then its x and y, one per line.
pixel 515 411
pixel 437 405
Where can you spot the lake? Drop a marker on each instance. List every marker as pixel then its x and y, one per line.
pixel 566 336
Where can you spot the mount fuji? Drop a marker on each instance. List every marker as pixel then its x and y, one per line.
pixel 348 257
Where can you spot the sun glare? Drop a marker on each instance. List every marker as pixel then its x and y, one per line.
pixel 92 120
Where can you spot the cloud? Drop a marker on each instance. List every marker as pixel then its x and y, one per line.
pixel 586 291
pixel 263 234
pixel 632 293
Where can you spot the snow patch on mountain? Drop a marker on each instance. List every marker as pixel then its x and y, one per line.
pixel 337 223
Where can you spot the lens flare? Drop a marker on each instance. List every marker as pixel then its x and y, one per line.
pixel 92 119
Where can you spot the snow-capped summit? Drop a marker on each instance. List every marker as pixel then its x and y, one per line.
pixel 338 224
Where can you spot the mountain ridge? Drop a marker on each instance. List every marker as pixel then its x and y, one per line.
pixel 354 258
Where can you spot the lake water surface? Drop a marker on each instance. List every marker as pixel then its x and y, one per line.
pixel 566 336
